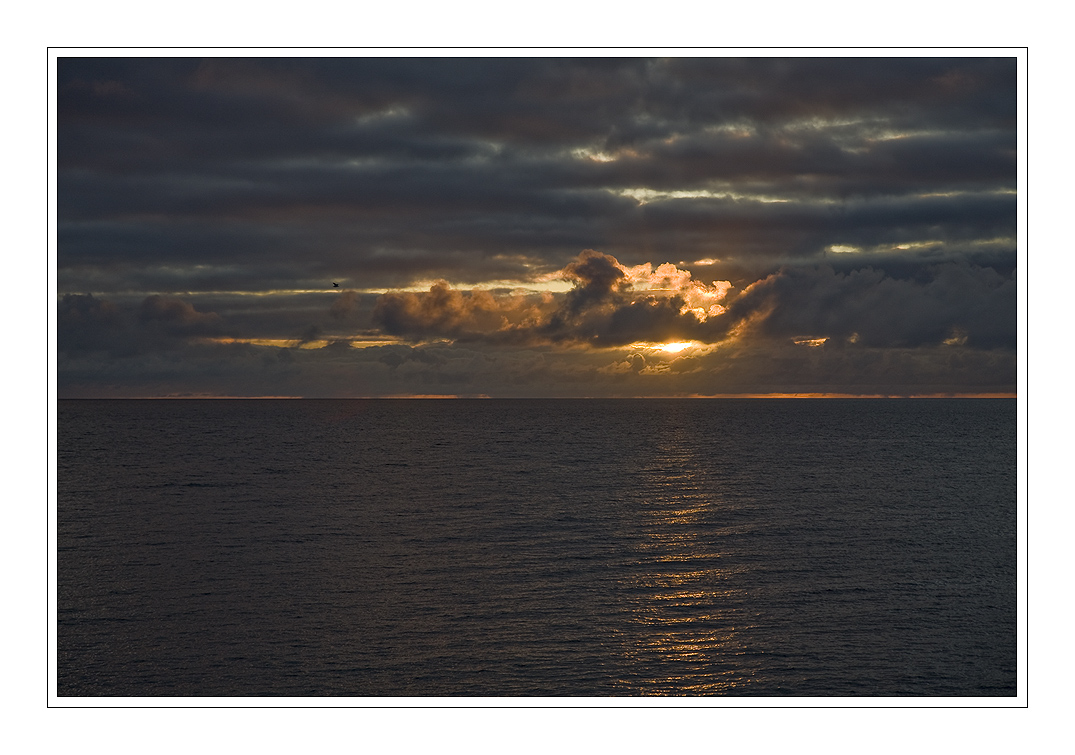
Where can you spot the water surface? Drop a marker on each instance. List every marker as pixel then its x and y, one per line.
pixel 537 548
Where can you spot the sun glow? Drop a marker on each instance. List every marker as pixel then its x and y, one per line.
pixel 671 347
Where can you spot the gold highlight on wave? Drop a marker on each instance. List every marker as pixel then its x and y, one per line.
pixel 681 594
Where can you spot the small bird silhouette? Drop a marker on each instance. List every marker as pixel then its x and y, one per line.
pixel 335 284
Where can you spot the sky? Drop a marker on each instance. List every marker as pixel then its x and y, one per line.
pixel 536 227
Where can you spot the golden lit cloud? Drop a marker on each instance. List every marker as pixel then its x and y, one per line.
pixel 700 300
pixel 811 342
pixel 295 343
pixel 608 304
pixel 958 338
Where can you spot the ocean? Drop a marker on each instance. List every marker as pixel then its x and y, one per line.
pixel 537 548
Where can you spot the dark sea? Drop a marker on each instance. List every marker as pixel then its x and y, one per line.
pixel 733 547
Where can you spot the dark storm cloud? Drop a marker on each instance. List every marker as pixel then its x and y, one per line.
pixel 194 161
pixel 597 276
pixel 755 232
pixel 444 312
pixel 344 305
pixel 953 302
pixel 177 317
pixel 197 180
pixel 86 323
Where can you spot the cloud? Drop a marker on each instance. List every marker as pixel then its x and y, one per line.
pixel 443 312
pixel 310 334
pixel 598 278
pixel 608 305
pixel 344 305
pixel 248 174
pixel 88 324
pixel 611 305
pixel 85 323
pixel 177 317
pixel 206 199
pixel 633 364
pixel 872 308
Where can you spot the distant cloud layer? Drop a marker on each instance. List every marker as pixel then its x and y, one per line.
pixel 520 226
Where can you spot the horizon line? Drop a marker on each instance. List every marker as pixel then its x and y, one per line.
pixel 477 397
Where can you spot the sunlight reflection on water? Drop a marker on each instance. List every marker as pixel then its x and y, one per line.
pixel 684 609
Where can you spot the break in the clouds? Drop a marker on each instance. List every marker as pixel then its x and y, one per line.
pixel 536 226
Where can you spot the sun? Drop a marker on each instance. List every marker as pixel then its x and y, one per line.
pixel 672 347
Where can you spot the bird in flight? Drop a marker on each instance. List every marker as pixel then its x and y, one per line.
pixel 335 284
